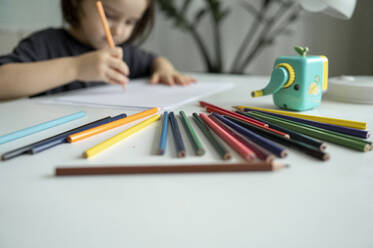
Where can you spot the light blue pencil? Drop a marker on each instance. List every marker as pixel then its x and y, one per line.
pixel 40 127
pixel 163 140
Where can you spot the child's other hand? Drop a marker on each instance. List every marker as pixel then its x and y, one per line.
pixel 103 65
pixel 171 78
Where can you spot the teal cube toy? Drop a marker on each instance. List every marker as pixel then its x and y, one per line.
pixel 297 82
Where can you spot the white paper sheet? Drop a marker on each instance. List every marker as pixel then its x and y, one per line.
pixel 139 94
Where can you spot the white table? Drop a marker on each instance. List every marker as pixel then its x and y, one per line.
pixel 312 204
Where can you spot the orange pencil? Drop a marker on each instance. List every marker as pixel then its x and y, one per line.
pixel 90 132
pixel 105 24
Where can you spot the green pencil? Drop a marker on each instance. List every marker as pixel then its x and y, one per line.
pixel 192 135
pixel 333 137
pixel 223 152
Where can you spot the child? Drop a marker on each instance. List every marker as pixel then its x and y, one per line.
pixel 56 60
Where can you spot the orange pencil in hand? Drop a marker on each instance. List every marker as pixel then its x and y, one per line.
pixel 105 24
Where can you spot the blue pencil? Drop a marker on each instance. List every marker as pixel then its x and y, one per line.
pixel 56 139
pixel 177 136
pixel 40 127
pixel 263 142
pixel 163 140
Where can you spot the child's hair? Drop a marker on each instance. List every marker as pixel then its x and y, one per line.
pixel 71 11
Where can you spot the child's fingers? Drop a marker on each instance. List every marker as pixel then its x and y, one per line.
pixel 116 52
pixel 155 78
pixel 115 77
pixel 180 80
pixel 119 65
pixel 168 80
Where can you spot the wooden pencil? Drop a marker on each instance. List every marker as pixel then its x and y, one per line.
pixel 105 24
pixel 259 151
pixel 179 143
pixel 197 145
pixel 93 151
pixel 172 168
pixel 296 135
pixel 267 144
pixel 163 138
pixel 223 152
pixel 318 133
pixel 241 149
pixel 330 120
pixel 228 112
pixel 302 147
pixel 102 128
pixel 242 117
pixel 340 129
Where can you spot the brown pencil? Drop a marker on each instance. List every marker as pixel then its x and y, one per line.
pixel 175 168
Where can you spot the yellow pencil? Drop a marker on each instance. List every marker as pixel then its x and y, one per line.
pixel 119 137
pixel 329 120
pixel 105 24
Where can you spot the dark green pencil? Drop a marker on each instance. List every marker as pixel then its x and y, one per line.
pixel 197 145
pixel 339 139
pixel 223 152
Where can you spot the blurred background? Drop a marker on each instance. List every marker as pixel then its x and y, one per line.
pixel 272 29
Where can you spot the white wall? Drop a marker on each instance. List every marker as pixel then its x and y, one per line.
pixel 347 44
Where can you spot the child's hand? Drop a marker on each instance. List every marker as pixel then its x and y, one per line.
pixel 103 65
pixel 165 73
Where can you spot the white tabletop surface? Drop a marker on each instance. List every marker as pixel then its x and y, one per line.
pixel 312 204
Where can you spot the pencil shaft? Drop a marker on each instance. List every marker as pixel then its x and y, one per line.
pixel 119 137
pixel 267 144
pixel 259 151
pixel 163 138
pixel 105 24
pixel 223 152
pixel 317 133
pixel 198 148
pixel 145 169
pixel 335 121
pixel 240 148
pixel 340 129
pixel 297 136
pixel 40 127
pixel 108 126
pixel 303 147
pixel 179 143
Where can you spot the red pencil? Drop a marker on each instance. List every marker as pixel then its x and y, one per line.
pixel 238 116
pixel 242 149
pixel 231 113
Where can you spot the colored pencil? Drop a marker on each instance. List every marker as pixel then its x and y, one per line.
pixel 260 152
pixel 340 129
pixel 296 135
pixel 319 133
pixel 302 147
pixel 40 127
pixel 105 24
pixel 163 138
pixel 334 121
pixel 223 152
pixel 119 137
pixel 54 142
pixel 96 130
pixel 242 117
pixel 197 145
pixel 228 112
pixel 173 168
pixel 179 143
pixel 267 144
pixel 241 149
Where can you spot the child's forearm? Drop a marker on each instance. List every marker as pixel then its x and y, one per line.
pixel 25 79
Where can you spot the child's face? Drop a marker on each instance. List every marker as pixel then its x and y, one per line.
pixel 122 16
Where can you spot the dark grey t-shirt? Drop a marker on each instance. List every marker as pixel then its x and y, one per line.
pixel 56 43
